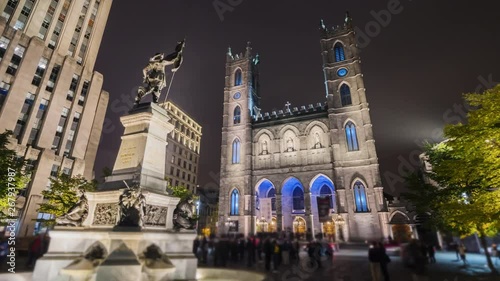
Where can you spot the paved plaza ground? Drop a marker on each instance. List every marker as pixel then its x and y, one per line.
pixel 352 265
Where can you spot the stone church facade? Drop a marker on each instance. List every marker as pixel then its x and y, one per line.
pixel 275 165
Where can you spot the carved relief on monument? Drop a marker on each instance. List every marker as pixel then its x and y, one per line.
pixel 105 214
pixel 155 215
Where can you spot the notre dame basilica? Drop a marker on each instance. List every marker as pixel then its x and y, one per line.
pixel 309 169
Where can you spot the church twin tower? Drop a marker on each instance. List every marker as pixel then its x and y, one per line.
pixel 275 166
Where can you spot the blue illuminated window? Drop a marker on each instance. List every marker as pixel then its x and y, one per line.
pixel 339 52
pixel 298 198
pixel 345 95
pixel 352 138
pixel 236 151
pixel 360 197
pixel 237 115
pixel 235 196
pixel 326 191
pixel 237 78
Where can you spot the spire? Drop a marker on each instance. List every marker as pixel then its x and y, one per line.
pixel 256 59
pixel 348 19
pixel 322 25
pixel 248 52
pixel 229 54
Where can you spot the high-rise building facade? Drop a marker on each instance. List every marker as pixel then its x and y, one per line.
pixel 304 169
pixel 50 95
pixel 183 149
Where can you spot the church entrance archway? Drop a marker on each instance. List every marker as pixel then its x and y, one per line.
pixel 265 204
pixel 299 226
pixel 292 200
pixel 401 230
pixel 329 230
pixel 323 187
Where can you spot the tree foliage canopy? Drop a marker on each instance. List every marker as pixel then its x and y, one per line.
pixel 13 175
pixel 63 194
pixel 466 170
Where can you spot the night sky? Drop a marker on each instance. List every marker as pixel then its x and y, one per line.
pixel 416 66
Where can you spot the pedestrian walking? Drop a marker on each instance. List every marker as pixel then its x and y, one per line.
pixel 268 253
pixel 276 256
pixel 384 261
pixel 285 252
pixel 417 261
pixel 432 252
pixel 461 251
pixel 494 253
pixel 375 259
pixel 35 251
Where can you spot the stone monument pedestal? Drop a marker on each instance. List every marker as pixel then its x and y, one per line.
pixel 101 249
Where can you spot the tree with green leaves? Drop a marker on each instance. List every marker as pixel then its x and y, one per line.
pixel 181 192
pixel 62 195
pixel 13 177
pixel 466 169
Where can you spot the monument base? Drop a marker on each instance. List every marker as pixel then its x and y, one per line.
pixel 120 251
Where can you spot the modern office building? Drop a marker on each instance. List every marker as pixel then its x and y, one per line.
pixel 50 95
pixel 183 149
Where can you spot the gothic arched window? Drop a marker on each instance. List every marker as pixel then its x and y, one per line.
pixel 237 115
pixel 360 197
pixel 351 137
pixel 238 78
pixel 339 52
pixel 298 198
pixel 236 151
pixel 326 191
pixel 345 95
pixel 235 196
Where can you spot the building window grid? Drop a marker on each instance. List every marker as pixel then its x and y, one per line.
pixel 39 72
pixel 53 78
pixel 37 123
pixel 23 116
pixel 72 87
pixel 44 28
pixel 88 32
pixel 60 21
pixel 71 133
pixel 83 93
pixel 60 128
pixel 4 91
pixel 9 9
pixel 4 43
pixel 16 60
pixel 24 15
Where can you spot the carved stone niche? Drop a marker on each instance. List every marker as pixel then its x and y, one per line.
pixel 155 215
pixel 105 214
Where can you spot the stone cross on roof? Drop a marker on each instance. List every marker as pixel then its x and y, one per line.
pixel 287 105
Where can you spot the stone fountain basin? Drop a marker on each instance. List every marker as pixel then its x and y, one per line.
pixel 202 274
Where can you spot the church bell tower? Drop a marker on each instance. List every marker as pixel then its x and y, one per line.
pixel 356 168
pixel 241 100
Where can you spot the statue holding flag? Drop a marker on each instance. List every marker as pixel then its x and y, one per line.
pixel 154 73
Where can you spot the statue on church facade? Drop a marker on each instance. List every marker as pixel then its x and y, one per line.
pixel 317 141
pixel 154 76
pixel 132 205
pixel 289 145
pixel 264 148
pixel 184 216
pixel 77 214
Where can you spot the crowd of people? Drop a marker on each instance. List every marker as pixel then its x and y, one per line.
pixel 273 251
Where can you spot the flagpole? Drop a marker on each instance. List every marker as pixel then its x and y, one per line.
pixel 170 85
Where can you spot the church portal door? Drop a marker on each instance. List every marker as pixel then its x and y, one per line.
pixel 299 225
pixel 329 230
